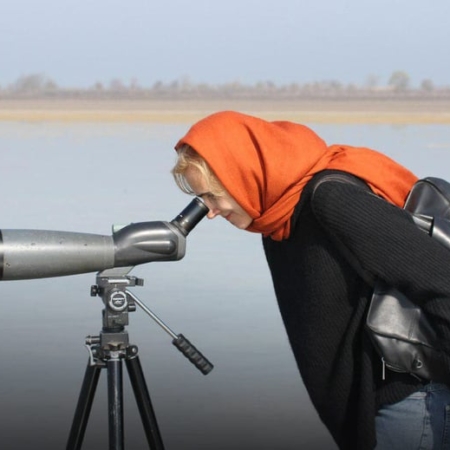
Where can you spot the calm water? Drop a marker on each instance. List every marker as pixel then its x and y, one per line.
pixel 85 178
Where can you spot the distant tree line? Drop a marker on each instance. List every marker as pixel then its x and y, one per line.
pixel 399 85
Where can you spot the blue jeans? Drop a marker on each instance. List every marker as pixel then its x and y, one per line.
pixel 419 422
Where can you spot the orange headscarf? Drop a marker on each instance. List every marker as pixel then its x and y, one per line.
pixel 265 165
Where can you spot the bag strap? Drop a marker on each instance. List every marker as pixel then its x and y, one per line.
pixel 342 177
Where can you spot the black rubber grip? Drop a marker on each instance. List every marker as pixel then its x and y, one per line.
pixel 191 353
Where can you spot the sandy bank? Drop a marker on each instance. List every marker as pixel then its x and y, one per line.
pixel 175 111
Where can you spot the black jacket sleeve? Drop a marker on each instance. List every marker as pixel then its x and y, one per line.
pixel 383 241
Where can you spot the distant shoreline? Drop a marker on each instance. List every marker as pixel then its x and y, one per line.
pixel 189 111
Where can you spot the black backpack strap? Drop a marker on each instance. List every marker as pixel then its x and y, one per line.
pixel 342 177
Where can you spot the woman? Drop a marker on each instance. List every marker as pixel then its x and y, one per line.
pixel 325 244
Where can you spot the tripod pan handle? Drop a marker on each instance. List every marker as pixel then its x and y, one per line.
pixel 191 353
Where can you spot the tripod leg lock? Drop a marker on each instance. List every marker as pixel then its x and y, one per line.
pixel 191 353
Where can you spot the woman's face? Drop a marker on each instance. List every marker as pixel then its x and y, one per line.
pixel 223 205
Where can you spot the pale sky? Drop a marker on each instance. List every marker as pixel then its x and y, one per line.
pixel 79 42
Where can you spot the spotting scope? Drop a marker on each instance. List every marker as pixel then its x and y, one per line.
pixel 29 254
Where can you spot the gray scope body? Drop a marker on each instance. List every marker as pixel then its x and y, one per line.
pixel 28 254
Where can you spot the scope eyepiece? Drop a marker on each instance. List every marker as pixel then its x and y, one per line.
pixel 191 216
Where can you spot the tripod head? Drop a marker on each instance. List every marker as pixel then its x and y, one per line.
pixel 113 287
pixel 28 254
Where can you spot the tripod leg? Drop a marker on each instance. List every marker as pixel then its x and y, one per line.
pixel 144 403
pixel 83 409
pixel 115 403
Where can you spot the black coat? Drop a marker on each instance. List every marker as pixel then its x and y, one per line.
pixel 323 299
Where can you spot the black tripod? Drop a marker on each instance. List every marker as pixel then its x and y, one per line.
pixel 108 350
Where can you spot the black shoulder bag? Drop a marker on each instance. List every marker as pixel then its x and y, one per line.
pixel 399 330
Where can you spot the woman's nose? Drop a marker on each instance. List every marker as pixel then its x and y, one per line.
pixel 213 212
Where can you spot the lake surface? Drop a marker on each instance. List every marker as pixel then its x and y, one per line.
pixel 88 177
